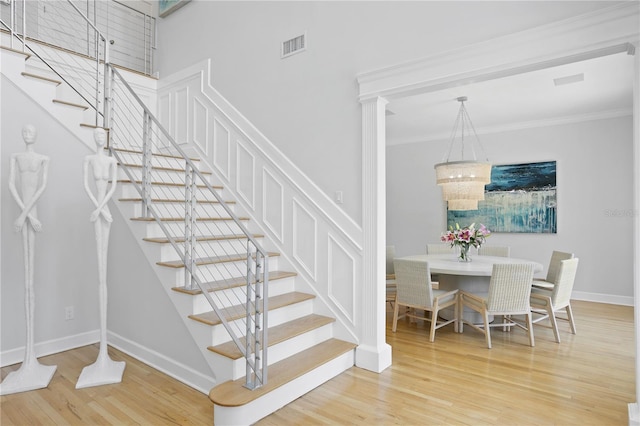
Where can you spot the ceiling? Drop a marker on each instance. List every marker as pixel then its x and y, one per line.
pixel 524 100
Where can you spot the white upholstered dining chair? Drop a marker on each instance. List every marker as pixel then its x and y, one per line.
pixel 509 292
pixel 501 251
pixel 552 272
pixel 547 302
pixel 414 291
pixel 439 248
pixel 391 275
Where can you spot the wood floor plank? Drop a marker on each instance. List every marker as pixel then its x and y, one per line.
pixel 145 396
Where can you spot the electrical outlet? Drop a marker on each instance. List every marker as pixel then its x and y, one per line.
pixel 68 313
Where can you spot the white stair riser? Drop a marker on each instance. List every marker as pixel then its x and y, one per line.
pixel 176 228
pixel 156 160
pixel 178 209
pixel 201 304
pixel 218 334
pixel 265 405
pixel 171 192
pixel 218 271
pixel 158 175
pixel 288 348
pixel 205 249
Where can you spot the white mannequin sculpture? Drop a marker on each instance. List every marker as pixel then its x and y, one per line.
pixel 32 169
pixel 104 370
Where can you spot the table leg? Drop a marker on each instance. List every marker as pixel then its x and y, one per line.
pixel 471 284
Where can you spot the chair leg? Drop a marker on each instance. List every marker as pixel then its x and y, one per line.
pixel 395 315
pixel 553 321
pixel 572 324
pixel 487 332
pixel 456 317
pixel 460 309
pixel 432 330
pixel 530 329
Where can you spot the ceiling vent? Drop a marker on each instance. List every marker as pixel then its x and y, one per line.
pixel 295 45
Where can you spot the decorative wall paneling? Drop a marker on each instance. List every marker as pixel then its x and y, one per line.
pixel 314 236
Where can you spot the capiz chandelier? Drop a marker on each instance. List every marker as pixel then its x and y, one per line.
pixel 463 181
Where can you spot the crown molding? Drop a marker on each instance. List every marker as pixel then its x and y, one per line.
pixel 607 31
pixel 523 125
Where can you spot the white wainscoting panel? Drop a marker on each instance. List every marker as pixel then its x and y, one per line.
pixel 164 110
pixel 245 174
pixel 221 148
pixel 342 278
pixel 273 206
pixel 182 116
pixel 200 125
pixel 305 238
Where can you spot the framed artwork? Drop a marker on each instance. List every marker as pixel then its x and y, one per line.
pixel 166 7
pixel 520 198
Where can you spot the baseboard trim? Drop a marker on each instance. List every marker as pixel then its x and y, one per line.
pixel 168 366
pixel 602 298
pixel 14 356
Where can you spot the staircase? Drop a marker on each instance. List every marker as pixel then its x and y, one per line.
pixel 302 352
pixel 302 349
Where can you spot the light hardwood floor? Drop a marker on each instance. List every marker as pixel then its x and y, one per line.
pixel 588 379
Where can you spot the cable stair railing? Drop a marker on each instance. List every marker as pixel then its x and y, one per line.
pixel 217 254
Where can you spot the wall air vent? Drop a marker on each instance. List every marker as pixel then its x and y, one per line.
pixel 295 45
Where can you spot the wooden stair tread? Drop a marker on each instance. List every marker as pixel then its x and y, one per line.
pixel 232 282
pixel 181 219
pixel 41 77
pixel 165 240
pixel 177 184
pixel 167 200
pixel 234 394
pixel 210 260
pixel 277 334
pixel 235 312
pixel 162 169
pixel 155 154
pixel 71 104
pixel 25 54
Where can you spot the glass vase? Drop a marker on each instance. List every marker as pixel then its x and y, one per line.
pixel 464 255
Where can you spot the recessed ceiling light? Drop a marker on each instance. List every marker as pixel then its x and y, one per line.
pixel 570 79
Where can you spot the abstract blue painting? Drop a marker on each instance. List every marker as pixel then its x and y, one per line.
pixel 520 198
pixel 166 7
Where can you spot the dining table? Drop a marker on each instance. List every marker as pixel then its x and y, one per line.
pixel 472 276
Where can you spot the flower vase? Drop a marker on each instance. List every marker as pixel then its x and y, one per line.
pixel 464 254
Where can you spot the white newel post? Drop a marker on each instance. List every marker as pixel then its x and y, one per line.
pixel 634 409
pixel 373 353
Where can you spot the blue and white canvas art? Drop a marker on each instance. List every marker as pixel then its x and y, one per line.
pixel 166 7
pixel 520 198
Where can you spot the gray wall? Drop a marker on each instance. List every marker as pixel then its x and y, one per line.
pixel 307 104
pixel 595 199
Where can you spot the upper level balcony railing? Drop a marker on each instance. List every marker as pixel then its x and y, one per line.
pixel 130 33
